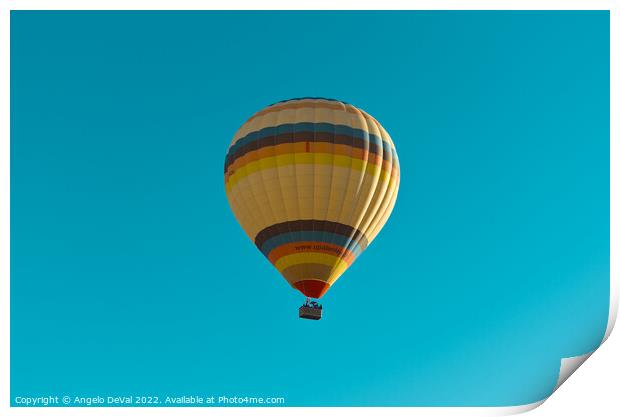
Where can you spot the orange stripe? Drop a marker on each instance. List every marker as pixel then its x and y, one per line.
pixel 315 247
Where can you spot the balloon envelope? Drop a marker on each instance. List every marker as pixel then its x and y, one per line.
pixel 311 181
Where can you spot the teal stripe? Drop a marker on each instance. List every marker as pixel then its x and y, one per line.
pixel 330 128
pixel 309 236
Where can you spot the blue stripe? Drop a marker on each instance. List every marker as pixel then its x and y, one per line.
pixel 309 236
pixel 309 127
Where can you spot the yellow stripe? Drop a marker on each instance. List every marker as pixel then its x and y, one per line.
pixel 311 257
pixel 307 159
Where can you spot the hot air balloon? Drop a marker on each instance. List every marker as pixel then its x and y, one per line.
pixel 311 181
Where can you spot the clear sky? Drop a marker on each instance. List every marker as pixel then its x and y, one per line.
pixel 130 275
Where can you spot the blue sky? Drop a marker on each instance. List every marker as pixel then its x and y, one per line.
pixel 129 274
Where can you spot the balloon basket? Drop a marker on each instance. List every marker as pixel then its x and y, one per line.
pixel 311 311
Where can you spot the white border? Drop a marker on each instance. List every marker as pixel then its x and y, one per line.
pixel 569 365
pixel 310 5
